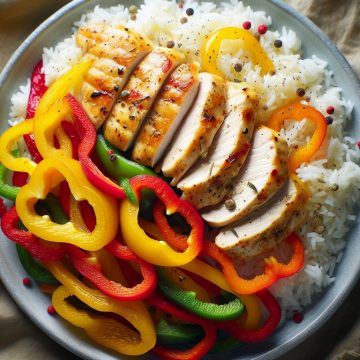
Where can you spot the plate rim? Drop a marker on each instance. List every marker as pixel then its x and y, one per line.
pixel 337 300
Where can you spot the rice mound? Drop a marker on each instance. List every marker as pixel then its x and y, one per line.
pixel 331 212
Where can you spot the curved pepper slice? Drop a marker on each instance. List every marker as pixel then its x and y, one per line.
pixel 36 247
pixel 257 55
pixel 273 269
pixel 6 190
pixel 46 128
pixel 50 173
pixel 188 300
pixel 272 321
pixel 105 331
pixel 115 290
pixel 299 112
pixel 87 133
pixel 8 140
pixel 153 251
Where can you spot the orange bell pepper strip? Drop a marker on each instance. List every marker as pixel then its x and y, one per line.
pixel 103 330
pixel 299 112
pixel 49 174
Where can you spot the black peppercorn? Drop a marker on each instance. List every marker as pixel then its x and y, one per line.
pixel 300 92
pixel 329 120
pixel 278 44
pixel 189 12
pixel 237 67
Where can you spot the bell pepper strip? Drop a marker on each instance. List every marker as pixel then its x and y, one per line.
pixel 45 129
pixel 75 214
pixel 273 271
pixel 177 334
pixel 8 140
pixel 188 300
pixel 153 251
pixel 37 90
pixel 40 250
pixel 81 262
pixel 49 174
pixel 299 112
pixel 35 270
pixel 251 317
pixel 56 211
pixel 19 179
pixel 3 209
pixel 270 324
pixel 87 133
pixel 6 190
pixel 225 345
pixel 125 184
pixel 101 329
pixel 70 81
pixel 254 51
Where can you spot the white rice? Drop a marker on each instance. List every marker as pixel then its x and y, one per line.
pixel 331 213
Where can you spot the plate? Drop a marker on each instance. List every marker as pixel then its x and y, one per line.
pixel 33 302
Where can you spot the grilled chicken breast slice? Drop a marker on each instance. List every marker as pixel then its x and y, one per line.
pixel 174 101
pixel 115 51
pixel 209 179
pixel 198 128
pixel 124 122
pixel 262 175
pixel 268 225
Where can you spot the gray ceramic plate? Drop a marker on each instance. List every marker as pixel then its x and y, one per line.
pixel 33 302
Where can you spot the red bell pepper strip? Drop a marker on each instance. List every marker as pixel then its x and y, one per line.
pixel 36 247
pixel 64 197
pixel 88 215
pixel 19 178
pixel 200 349
pixel 87 134
pixel 274 270
pixel 2 208
pixel 193 243
pixel 92 271
pixel 270 324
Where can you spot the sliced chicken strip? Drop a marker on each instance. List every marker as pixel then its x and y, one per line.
pixel 209 179
pixel 198 128
pixel 115 51
pixel 174 101
pixel 262 175
pixel 268 225
pixel 124 122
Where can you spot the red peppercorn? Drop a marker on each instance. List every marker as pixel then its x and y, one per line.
pixel 51 310
pixel 298 317
pixel 26 281
pixel 358 144
pixel 330 110
pixel 247 25
pixel 274 172
pixel 262 29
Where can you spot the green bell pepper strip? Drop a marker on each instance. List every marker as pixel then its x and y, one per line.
pixel 124 183
pixel 180 334
pixel 34 269
pixel 188 300
pixel 56 211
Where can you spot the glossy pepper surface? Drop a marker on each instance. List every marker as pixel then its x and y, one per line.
pixel 189 301
pixel 153 251
pixel 256 54
pixel 104 330
pixel 6 190
pixel 50 173
pixel 299 112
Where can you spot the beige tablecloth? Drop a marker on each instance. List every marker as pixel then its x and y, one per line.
pixel 338 339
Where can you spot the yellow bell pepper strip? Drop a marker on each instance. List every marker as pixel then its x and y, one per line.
pixel 299 112
pixel 70 81
pixel 8 141
pixel 257 55
pixel 46 128
pixel 153 251
pixel 103 330
pixel 49 174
